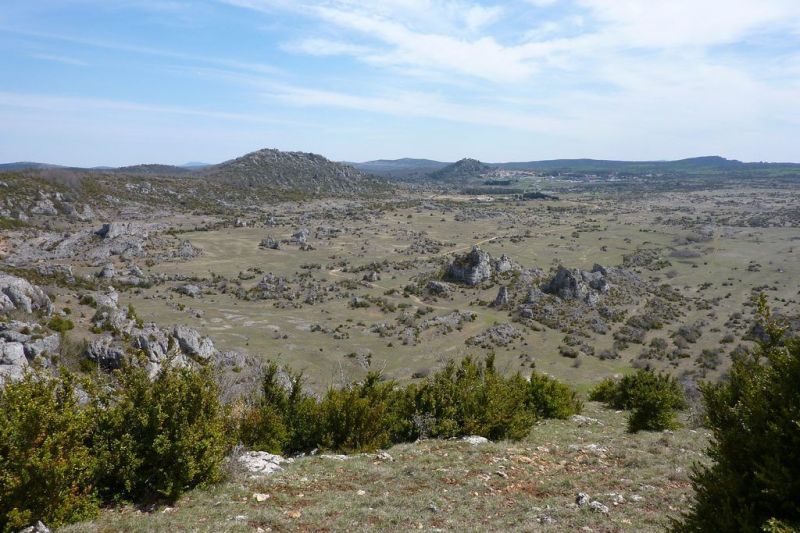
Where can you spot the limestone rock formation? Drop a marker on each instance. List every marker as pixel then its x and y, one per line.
pixel 19 294
pixel 472 268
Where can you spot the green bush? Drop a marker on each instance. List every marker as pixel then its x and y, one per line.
pixel 473 399
pixel 754 480
pixel 651 398
pixel 550 398
pixel 46 465
pixel 358 418
pixel 158 438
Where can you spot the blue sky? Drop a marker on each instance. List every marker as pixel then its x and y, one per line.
pixel 105 82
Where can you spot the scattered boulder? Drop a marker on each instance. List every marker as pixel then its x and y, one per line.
pixel 113 229
pixel 190 290
pixel 475 440
pixel 107 272
pixel 45 346
pixel 192 344
pixel 44 206
pixel 503 264
pixel 262 463
pixel 372 277
pixel 439 288
pixel 38 527
pixel 501 300
pixel 270 243
pixel 500 335
pixel 187 251
pixel 64 271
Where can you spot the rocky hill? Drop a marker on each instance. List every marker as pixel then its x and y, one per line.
pixel 464 169
pixel 311 173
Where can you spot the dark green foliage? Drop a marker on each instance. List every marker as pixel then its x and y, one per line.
pixel 46 465
pixel 549 398
pixel 156 439
pixel 651 398
pixel 360 417
pixel 753 482
pixel 473 399
pixel 60 324
pixel 466 398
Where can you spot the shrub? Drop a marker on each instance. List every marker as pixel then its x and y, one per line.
pixel 652 399
pixel 753 481
pixel 361 417
pixel 60 324
pixel 466 398
pixel 156 439
pixel 550 398
pixel 46 465
pixel 473 399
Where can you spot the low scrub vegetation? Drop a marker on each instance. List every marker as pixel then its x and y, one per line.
pixel 68 446
pixel 466 398
pixel 652 399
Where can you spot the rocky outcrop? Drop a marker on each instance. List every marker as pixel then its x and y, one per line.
pixel 19 294
pixel 300 236
pixel 109 316
pixel 576 284
pixel 471 269
pixel 193 344
pixel 13 362
pixel 503 264
pixel 106 352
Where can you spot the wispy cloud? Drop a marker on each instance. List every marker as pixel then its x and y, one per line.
pixel 145 50
pixel 61 59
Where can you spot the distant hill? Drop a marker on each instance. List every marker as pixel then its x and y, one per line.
pixel 690 165
pixel 405 168
pixel 438 171
pixel 311 173
pixel 153 170
pixel 460 171
pixel 26 165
